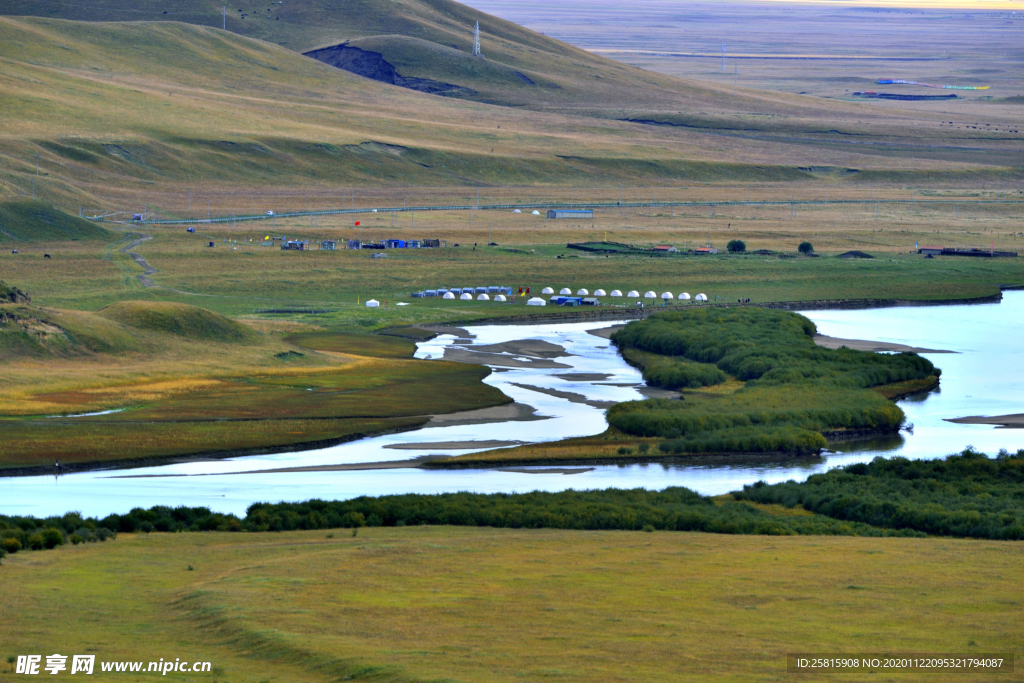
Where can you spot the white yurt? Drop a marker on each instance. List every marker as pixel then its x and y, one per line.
pixel 565 291
pixel 547 290
pixel 599 292
pixel 372 303
pixel 535 212
pixel 500 297
pixel 483 297
pixel 466 296
pixel 448 295
pixel 582 292
pixel 616 292
pixel 685 296
pixel 516 211
pixel 667 296
pixel 701 297
pixel 649 294
pixel 633 294
pixel 536 301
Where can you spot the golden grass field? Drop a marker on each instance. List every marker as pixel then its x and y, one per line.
pixel 465 604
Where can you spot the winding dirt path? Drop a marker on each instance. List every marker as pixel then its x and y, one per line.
pixel 147 269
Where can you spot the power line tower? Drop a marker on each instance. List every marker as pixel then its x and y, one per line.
pixel 476 41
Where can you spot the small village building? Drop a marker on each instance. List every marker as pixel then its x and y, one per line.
pixel 665 249
pixel 685 296
pixel 536 301
pixel 354 244
pixel 616 293
pixel 649 294
pixel 590 301
pixel 372 303
pixel 702 251
pixel 571 213
pixel 930 251
pixel 329 245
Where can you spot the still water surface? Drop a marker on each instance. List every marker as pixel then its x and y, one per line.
pixel 984 377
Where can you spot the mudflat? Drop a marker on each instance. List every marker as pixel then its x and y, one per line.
pixel 862 345
pixel 511 412
pixel 1015 421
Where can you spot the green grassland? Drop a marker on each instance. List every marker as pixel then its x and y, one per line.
pixel 420 603
pixel 186 381
pixel 37 221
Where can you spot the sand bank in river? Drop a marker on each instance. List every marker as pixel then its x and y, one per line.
pixel 570 396
pixel 1015 421
pixel 453 445
pixel 861 345
pixel 510 412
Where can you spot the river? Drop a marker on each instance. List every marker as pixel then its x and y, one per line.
pixel 983 377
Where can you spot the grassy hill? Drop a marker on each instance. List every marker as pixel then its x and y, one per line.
pixel 23 220
pixel 190 322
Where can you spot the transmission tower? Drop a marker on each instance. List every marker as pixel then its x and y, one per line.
pixel 476 41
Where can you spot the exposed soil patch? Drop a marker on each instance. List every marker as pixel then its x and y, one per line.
pixel 373 65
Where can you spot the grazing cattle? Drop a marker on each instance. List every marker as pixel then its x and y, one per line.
pixel 46 256
pixel 14 251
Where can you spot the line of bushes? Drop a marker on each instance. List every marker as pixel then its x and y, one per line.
pixel 965 495
pixel 674 373
pixel 794 389
pixel 677 509
pixel 30 533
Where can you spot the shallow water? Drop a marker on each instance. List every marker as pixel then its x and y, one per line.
pixel 984 378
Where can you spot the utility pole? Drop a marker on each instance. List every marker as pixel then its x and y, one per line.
pixel 225 10
pixel 37 164
pixel 723 56
pixel 476 41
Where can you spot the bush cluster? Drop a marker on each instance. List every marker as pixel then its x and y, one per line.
pixel 794 390
pixel 965 495
pixel 30 533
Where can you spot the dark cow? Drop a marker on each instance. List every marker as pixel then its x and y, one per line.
pixel 14 251
pixel 46 256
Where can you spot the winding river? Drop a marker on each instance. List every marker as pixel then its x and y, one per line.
pixel 568 389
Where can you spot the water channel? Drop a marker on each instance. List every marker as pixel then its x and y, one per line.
pixel 983 377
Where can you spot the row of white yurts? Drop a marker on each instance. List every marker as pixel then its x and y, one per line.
pixel 631 294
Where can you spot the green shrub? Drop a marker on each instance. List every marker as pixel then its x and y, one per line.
pixel 52 538
pixel 644 447
pixel 11 545
pixel 805 248
pixel 3 554
pixel 36 542
pixel 75 539
pixel 965 495
pixel 736 246
pixel 794 389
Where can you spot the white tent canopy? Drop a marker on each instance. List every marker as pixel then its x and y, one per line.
pixel 535 212
pixel 516 211
pixel 500 297
pixel 599 292
pixel 448 295
pixel 666 295
pixel 649 294
pixel 633 294
pixel 702 297
pixel 372 303
pixel 483 297
pixel 466 296
pixel 582 292
pixel 685 296
pixel 536 301
pixel 616 292
pixel 547 290
pixel 565 291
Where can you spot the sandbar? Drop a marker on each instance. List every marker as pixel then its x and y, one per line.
pixel 862 345
pixel 1015 421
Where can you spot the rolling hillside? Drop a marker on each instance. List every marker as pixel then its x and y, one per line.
pixel 123 110
pixel 427 45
